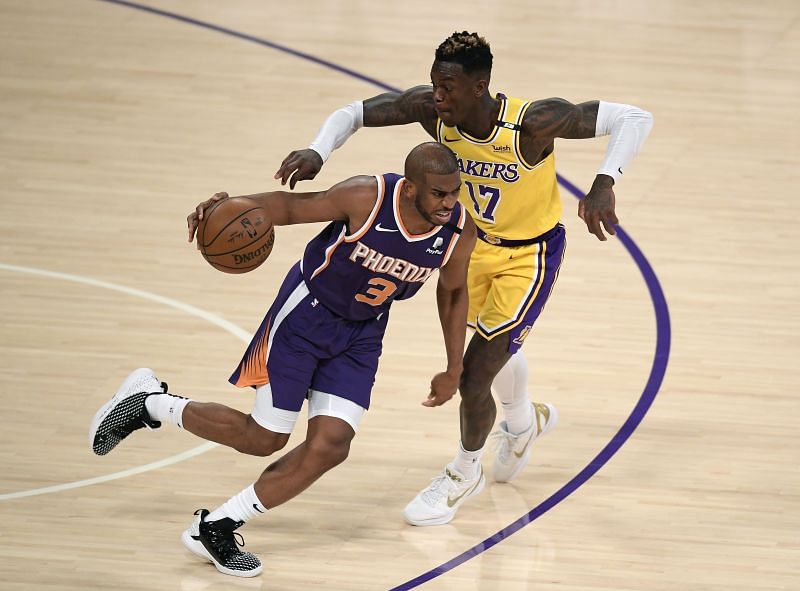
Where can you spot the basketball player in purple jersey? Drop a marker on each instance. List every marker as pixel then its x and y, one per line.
pixel 506 151
pixel 320 339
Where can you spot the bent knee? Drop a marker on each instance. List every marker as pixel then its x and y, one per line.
pixel 330 452
pixel 258 441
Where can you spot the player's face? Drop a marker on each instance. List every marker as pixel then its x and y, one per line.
pixel 436 199
pixel 456 95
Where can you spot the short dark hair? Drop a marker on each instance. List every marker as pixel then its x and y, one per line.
pixel 470 50
pixel 430 158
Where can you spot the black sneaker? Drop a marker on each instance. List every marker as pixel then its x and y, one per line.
pixel 218 542
pixel 125 412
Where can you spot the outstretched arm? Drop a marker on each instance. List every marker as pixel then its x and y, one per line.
pixel 452 299
pixel 628 126
pixel 390 108
pixel 350 200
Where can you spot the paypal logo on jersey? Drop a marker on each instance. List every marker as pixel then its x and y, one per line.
pixel 437 244
pixel 490 170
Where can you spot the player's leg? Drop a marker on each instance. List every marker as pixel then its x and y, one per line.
pixel 143 401
pixel 327 445
pixel 212 535
pixel 508 287
pixel 300 348
pixel 524 421
pixel 463 477
pixel 233 428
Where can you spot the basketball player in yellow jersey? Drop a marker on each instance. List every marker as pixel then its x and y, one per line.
pixel 505 147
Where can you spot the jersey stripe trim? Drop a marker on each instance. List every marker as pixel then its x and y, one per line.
pixel 526 302
pixel 456 235
pixel 497 128
pixel 518 149
pixel 372 215
pixel 253 369
pixel 329 254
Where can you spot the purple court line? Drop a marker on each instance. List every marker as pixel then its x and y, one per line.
pixel 660 358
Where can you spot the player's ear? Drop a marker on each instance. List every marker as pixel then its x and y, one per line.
pixel 481 86
pixel 410 189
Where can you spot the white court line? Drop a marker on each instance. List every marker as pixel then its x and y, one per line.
pixel 200 449
pixel 183 307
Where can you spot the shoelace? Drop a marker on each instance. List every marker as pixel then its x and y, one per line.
pixel 502 441
pixel 225 545
pixel 437 488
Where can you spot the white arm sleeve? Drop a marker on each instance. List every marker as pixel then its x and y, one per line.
pixel 338 128
pixel 629 126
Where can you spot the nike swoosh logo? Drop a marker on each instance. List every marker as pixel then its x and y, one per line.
pixel 380 229
pixel 453 500
pixel 256 508
pixel 448 139
pixel 620 170
pixel 536 431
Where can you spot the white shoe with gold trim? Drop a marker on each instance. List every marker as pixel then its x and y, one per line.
pixel 513 451
pixel 437 504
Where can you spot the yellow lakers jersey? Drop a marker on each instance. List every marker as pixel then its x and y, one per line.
pixel 507 197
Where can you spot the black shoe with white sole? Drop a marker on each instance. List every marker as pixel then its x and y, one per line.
pixel 218 542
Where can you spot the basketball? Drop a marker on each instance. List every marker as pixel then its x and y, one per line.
pixel 235 235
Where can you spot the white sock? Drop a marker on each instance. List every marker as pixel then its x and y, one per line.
pixel 511 387
pixel 167 408
pixel 468 462
pixel 241 507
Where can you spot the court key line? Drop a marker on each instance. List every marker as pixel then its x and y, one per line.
pixel 183 307
pixel 663 328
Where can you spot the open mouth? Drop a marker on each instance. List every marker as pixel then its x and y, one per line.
pixel 443 216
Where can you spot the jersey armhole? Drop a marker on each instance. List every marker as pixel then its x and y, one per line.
pixel 372 214
pixel 517 148
pixel 456 235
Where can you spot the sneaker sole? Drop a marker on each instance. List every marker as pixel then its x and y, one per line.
pixel 196 547
pixel 551 424
pixel 449 517
pixel 136 376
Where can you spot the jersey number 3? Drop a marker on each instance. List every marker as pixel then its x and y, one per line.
pixel 377 294
pixel 490 194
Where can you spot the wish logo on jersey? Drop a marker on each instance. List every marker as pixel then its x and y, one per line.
pixel 489 170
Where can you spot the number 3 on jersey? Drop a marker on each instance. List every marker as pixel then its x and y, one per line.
pixel 377 294
pixel 490 194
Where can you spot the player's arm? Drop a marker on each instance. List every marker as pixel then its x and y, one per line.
pixel 390 108
pixel 351 200
pixel 452 299
pixel 628 127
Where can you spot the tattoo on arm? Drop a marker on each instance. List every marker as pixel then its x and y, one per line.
pixel 393 108
pixel 551 118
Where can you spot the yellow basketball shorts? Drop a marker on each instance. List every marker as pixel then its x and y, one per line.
pixel 509 286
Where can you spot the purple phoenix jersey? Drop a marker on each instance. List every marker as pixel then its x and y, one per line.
pixel 359 275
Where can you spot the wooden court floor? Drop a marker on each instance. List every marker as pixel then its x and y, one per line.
pixel 116 118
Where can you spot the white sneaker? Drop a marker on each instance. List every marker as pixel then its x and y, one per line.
pixel 438 503
pixel 125 412
pixel 513 451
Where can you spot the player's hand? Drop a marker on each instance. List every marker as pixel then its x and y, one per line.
pixel 443 387
pixel 193 219
pixel 597 208
pixel 300 165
